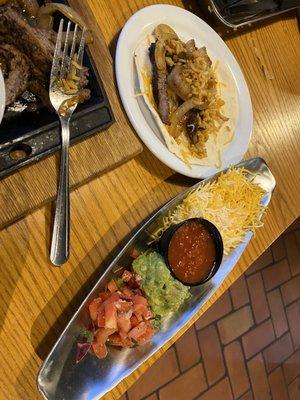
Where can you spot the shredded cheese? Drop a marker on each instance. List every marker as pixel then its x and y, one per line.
pixel 232 203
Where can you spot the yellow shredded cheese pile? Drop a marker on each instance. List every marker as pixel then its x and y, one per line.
pixel 232 203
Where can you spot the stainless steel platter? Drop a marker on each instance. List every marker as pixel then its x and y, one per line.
pixel 60 378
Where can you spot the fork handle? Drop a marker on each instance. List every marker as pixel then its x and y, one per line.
pixel 59 253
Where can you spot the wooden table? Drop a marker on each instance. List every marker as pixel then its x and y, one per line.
pixel 37 299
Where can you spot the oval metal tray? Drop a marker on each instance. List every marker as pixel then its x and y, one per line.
pixel 61 378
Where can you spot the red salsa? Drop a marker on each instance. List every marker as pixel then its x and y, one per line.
pixel 192 252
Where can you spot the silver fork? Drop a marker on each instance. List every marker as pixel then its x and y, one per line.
pixel 61 64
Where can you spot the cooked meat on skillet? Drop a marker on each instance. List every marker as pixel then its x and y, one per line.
pixel 39 88
pixel 159 85
pixel 16 71
pixel 30 40
pixel 34 39
pixel 49 34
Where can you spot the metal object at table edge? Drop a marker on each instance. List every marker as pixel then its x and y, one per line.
pixel 61 378
pixel 249 22
pixel 94 116
pixel 63 56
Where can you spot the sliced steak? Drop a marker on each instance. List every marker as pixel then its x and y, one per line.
pixel 16 72
pixel 192 125
pixel 32 41
pixel 39 89
pixel 159 86
pixel 50 34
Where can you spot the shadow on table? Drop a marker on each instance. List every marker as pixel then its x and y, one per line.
pixel 12 264
pixel 49 325
pixel 51 321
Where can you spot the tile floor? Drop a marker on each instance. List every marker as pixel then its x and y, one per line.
pixel 246 346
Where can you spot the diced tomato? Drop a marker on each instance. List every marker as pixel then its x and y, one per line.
pixel 134 321
pixel 138 331
pixel 125 297
pixel 110 315
pixel 116 340
pixel 121 316
pixel 101 317
pixel 112 286
pixel 138 279
pixel 104 295
pixel 113 297
pixel 123 305
pixel 134 253
pixel 142 312
pixel 139 317
pixel 138 299
pixel 127 275
pixel 123 335
pixel 102 335
pixel 99 341
pixel 132 284
pixel 123 321
pixel 94 307
pixel 147 335
pixel 141 308
pixel 99 349
pixel 138 291
pixel 127 292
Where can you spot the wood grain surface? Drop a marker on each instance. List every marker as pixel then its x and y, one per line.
pixel 38 299
pixel 35 185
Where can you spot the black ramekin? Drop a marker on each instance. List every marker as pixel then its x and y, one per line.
pixel 164 242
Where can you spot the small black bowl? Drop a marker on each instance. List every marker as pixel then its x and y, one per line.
pixel 164 242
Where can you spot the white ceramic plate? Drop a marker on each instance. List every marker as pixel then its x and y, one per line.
pixel 188 26
pixel 2 96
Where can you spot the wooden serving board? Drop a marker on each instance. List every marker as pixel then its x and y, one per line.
pixel 35 185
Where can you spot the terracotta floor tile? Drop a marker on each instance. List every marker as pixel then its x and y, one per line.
pixel 236 368
pixel 239 293
pixel 188 349
pixel 277 312
pixel 278 249
pixel 265 259
pixel 278 386
pixel 258 377
pixel 220 391
pixel 293 252
pixel 235 324
pixel 247 396
pixel 291 367
pixel 186 387
pixel 294 389
pixel 293 315
pixel 220 308
pixel 278 351
pixel 258 297
pixel 268 294
pixel 211 354
pixel 258 338
pixel 159 373
pixel 291 290
pixel 276 274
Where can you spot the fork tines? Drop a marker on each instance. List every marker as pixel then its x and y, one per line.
pixel 64 52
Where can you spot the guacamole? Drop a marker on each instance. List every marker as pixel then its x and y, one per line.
pixel 164 293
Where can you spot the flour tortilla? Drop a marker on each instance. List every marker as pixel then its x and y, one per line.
pixel 215 145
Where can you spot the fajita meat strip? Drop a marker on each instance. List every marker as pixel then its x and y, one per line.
pixel 159 85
